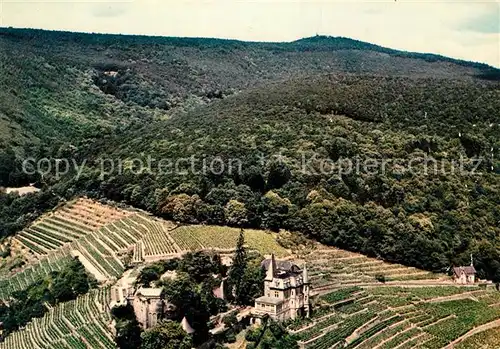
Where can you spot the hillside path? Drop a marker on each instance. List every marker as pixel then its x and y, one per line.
pixel 410 284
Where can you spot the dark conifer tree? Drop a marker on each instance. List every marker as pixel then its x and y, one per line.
pixel 237 270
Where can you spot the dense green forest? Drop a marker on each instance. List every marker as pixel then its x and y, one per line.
pixel 429 219
pixel 285 112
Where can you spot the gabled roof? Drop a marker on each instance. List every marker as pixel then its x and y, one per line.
pixel 469 270
pixel 281 265
pixel 150 292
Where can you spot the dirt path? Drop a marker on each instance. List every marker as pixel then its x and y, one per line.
pixel 416 283
pixel 454 297
pixel 479 329
pixel 22 190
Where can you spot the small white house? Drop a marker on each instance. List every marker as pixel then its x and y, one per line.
pixel 464 275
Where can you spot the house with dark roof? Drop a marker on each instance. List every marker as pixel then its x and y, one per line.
pixel 464 275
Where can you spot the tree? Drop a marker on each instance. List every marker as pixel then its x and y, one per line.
pixel 181 207
pixel 62 291
pixel 199 265
pixel 148 275
pixel 236 213
pixel 276 210
pixel 252 177
pixel 184 294
pixel 7 161
pixel 279 175
pixel 154 271
pixel 128 332
pixel 166 335
pixel 238 268
pixel 252 282
pixel 271 335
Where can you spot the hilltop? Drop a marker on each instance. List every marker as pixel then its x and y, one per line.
pixel 60 87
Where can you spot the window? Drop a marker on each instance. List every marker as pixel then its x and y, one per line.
pixel 276 294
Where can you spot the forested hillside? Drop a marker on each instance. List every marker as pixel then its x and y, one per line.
pixel 270 106
pixel 427 219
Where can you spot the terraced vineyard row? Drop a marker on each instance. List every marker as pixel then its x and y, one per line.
pixel 99 234
pixel 156 239
pixel 195 237
pixel 72 222
pixel 397 317
pixel 21 280
pixel 100 249
pixel 80 324
pixel 97 241
pixel 336 268
pixel 486 340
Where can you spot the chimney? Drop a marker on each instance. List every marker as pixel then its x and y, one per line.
pixel 271 270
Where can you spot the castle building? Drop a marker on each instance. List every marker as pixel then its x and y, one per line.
pixel 122 291
pixel 286 292
pixel 148 303
pixel 149 307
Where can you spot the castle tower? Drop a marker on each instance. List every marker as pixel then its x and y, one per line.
pixel 305 280
pixel 286 291
pixel 305 275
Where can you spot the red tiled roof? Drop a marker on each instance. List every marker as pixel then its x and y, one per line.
pixel 218 292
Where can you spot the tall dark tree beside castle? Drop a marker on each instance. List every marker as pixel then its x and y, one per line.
pixel 237 270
